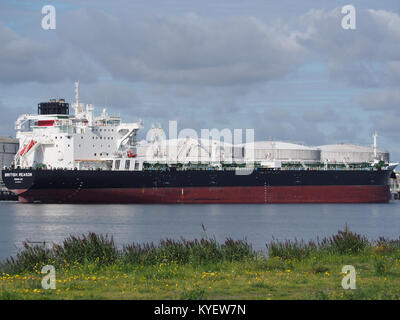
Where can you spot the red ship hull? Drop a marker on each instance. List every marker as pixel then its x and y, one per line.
pixel 268 194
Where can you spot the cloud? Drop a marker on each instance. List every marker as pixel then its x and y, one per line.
pixel 117 96
pixel 363 57
pixel 275 113
pixel 189 49
pixel 383 109
pixel 213 70
pixel 387 123
pixel 384 100
pixel 24 59
pixel 316 114
pixel 7 120
pixel 281 123
pixel 394 71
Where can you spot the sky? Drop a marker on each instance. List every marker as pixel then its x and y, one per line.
pixel 287 69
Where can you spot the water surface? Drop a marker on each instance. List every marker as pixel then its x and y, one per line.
pixel 258 223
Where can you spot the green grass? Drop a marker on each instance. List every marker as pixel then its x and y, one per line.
pixel 91 267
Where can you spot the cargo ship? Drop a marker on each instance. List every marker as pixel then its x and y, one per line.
pixel 82 158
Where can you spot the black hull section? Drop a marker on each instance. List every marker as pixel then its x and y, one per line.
pixel 67 179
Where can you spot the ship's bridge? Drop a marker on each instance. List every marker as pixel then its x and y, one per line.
pixel 53 107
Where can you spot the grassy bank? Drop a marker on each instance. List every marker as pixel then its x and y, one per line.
pixel 91 267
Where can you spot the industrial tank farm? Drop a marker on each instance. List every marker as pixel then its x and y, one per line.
pixel 201 150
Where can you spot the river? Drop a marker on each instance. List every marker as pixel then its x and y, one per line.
pixel 258 223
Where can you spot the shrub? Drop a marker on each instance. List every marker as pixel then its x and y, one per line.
pixel 319 268
pixel 175 251
pixel 137 254
pixel 195 293
pixel 85 249
pixel 386 246
pixel 196 251
pixel 383 265
pixel 237 250
pixel 30 258
pixel 205 251
pixel 91 248
pixel 289 250
pixel 345 242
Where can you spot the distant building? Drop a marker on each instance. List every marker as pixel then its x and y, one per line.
pixel 8 149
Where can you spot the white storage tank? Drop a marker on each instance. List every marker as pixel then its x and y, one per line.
pixel 351 153
pixel 283 151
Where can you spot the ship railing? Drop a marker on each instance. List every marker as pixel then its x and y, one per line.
pixel 256 168
pixel 213 168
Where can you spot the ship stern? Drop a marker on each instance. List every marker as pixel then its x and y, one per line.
pixel 18 181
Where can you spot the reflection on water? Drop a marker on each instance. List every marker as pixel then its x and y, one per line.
pixel 150 223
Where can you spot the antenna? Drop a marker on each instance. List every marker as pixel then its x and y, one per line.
pixel 375 145
pixel 77 92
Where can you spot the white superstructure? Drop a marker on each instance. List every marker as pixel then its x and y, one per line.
pixel 55 139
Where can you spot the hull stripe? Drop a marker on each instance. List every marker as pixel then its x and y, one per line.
pixel 265 194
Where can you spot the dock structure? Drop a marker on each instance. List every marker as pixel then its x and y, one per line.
pixel 395 186
pixel 6 195
pixel 8 148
